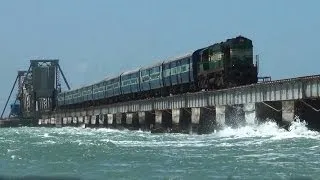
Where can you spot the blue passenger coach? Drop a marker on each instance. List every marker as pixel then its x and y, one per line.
pixel 113 87
pixel 178 72
pixel 99 90
pixel 130 82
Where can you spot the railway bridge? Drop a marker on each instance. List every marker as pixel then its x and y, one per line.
pixel 203 112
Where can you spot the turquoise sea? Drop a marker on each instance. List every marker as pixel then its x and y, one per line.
pixel 251 152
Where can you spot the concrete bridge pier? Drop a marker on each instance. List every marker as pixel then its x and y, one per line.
pixel 146 119
pixel 288 113
pixel 120 120
pixel 97 120
pixel 92 121
pixel 52 121
pixel 111 120
pixel 163 121
pixel 203 120
pixel 250 115
pixel 80 119
pixel 220 117
pixel 75 121
pixel 233 116
pixel 86 121
pixel 181 120
pixel 40 122
pixel 48 121
pixel 58 122
pixel 132 121
pixel 69 120
pixel 64 121
pixel 101 120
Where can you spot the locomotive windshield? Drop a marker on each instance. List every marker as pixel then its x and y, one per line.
pixel 241 50
pixel 241 53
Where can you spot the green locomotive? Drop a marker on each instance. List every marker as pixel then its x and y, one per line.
pixel 227 64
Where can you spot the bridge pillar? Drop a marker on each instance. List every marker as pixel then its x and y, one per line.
pixel 101 120
pixel 86 120
pixel 111 120
pixel 132 120
pixel 181 120
pixel 203 119
pixel 44 122
pixel 146 119
pixel 59 122
pixel 69 120
pixel 52 121
pixel 233 116
pixel 75 120
pixel 93 120
pixel 65 121
pixel 220 116
pixel 288 113
pixel 163 121
pixel 97 120
pixel 120 120
pixel 48 120
pixel 250 115
pixel 40 122
pixel 80 119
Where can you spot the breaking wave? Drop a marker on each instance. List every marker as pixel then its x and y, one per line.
pixel 298 129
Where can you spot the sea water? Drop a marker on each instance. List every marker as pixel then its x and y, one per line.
pixel 262 151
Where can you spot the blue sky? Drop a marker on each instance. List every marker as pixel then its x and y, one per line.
pixel 97 38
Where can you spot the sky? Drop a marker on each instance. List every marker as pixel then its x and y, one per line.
pixel 99 38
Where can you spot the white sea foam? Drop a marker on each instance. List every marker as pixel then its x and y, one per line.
pixel 298 129
pixel 252 134
pixel 255 134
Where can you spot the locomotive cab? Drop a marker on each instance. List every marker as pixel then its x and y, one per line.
pixel 241 69
pixel 211 59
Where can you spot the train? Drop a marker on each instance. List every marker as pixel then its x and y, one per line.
pixel 221 65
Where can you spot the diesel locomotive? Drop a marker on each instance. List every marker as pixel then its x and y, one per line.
pixel 218 66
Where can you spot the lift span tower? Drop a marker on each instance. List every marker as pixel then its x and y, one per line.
pixel 37 89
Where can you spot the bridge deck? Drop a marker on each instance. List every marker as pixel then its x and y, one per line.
pixel 280 90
